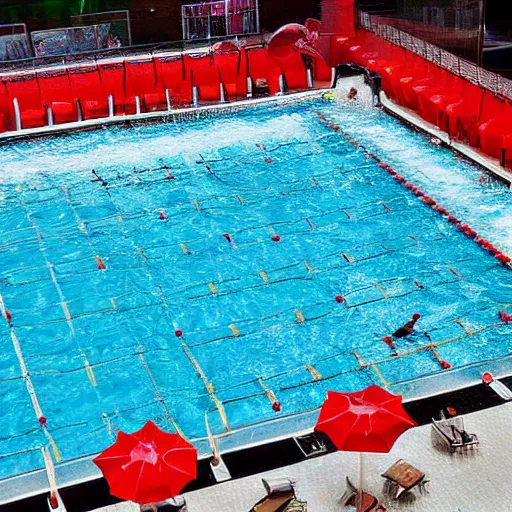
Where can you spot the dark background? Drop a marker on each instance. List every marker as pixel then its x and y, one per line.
pixel 152 21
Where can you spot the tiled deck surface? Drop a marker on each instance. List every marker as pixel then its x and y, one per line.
pixel 479 483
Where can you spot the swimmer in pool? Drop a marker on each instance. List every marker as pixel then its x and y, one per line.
pixel 352 93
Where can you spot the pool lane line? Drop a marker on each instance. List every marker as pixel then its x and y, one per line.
pixel 63 303
pixel 41 418
pixel 197 367
pixel 504 259
pixel 423 348
pixel 158 395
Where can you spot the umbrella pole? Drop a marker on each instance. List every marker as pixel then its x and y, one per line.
pixel 360 477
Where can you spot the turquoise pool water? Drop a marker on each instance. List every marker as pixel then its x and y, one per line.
pixel 258 316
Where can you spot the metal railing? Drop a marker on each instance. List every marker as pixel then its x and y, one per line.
pixel 458 66
pixel 90 57
pixel 220 18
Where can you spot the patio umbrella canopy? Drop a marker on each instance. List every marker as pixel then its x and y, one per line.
pixel 149 465
pixel 370 420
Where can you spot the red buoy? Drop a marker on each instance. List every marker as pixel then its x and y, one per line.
pixel 8 317
pixel 409 186
pixel 42 420
pixel 178 333
pixel 268 160
pixel 487 378
pixel 162 215
pixel 54 502
pixel 444 364
pixel 383 165
pixel 101 265
pixel 505 317
pixel 276 238
pixel 338 299
pixel 227 236
pixel 276 406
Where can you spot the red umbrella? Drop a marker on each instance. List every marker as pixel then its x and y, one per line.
pixel 149 465
pixel 370 420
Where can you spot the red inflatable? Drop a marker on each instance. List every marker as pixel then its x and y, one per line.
pixel 293 45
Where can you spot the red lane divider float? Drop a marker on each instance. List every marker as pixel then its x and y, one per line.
pixel 162 215
pixel 100 264
pixel 276 238
pixel 178 333
pixel 505 317
pixel 338 299
pixel 464 228
pixel 504 259
pixel 8 317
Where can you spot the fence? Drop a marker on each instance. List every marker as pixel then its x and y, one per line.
pixel 14 42
pixel 222 18
pixel 118 21
pixel 457 65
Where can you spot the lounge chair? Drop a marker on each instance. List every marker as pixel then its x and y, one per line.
pixel 280 498
pixel 451 434
pixel 401 478
pixel 362 501
pixel 177 504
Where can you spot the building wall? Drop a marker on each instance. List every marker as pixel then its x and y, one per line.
pixel 152 21
pixel 164 22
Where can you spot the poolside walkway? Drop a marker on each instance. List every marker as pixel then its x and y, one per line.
pixel 457 483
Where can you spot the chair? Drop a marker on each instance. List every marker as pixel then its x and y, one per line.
pixel 401 477
pixel 450 433
pixel 280 498
pixel 362 501
pixel 177 504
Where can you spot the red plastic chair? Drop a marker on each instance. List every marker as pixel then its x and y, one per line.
pixel 232 66
pixel 293 69
pixel 56 93
pixel 204 75
pixel 172 75
pixel 263 67
pixel 25 89
pixel 141 81
pixel 113 79
pixel 6 110
pixel 497 129
pixel 86 87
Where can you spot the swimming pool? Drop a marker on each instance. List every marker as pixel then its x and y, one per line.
pixel 197 269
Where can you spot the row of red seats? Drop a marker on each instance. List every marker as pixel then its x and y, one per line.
pixel 146 78
pixel 464 110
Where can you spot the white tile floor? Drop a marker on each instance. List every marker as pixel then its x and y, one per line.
pixel 480 483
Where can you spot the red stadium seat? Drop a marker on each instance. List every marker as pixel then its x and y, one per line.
pixel 294 70
pixel 232 66
pixel 56 93
pixel 112 78
pixel 141 81
pixel 25 89
pixel 171 74
pixel 496 129
pixel 6 111
pixel 263 67
pixel 204 75
pixel 86 86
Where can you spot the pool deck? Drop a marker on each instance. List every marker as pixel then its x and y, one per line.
pixel 470 483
